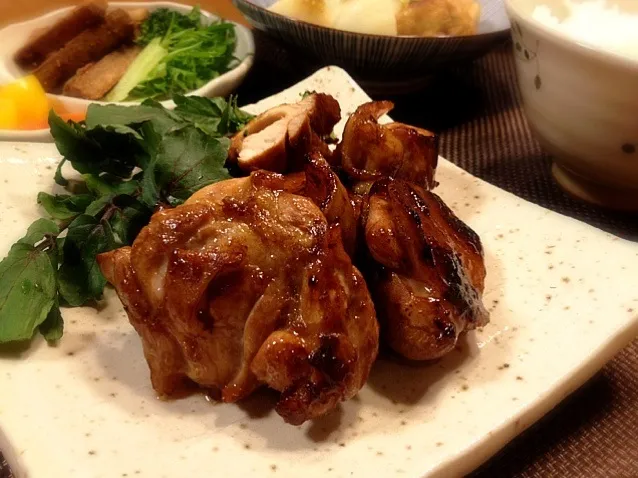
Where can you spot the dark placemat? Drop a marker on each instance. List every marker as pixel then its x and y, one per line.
pixel 476 110
pixel 5 472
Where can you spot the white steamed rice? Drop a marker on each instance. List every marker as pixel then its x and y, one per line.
pixel 597 23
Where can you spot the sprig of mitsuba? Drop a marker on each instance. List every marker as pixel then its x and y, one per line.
pixel 130 160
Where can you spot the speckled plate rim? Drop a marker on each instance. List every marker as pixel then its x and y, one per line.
pixel 481 449
pixel 547 400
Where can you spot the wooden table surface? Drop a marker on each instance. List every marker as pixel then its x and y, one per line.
pixel 12 11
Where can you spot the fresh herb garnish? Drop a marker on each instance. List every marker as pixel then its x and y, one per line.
pixel 28 285
pixel 131 160
pixel 181 53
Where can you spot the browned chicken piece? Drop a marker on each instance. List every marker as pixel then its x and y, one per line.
pixel 319 183
pixel 51 39
pixel 370 150
pixel 424 266
pixel 278 139
pixel 89 46
pixel 95 80
pixel 425 269
pixel 326 190
pixel 244 285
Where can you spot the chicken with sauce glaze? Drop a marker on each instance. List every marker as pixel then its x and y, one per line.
pixel 251 281
pixel 423 265
pixel 247 284
pixel 424 268
pixel 371 151
pixel 279 139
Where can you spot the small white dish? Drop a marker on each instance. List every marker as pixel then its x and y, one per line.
pixel 14 36
pixel 562 298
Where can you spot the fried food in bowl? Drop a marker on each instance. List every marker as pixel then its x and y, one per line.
pixel 387 17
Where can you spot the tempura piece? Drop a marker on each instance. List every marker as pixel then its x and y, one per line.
pixel 438 17
pixel 89 46
pixel 53 38
pixel 94 81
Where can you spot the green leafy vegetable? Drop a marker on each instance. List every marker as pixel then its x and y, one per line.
pixel 80 278
pixel 181 53
pixel 53 326
pixel 122 119
pixel 38 231
pixel 187 161
pixel 139 71
pixel 64 206
pixel 213 116
pixel 109 185
pixel 131 160
pixel 58 178
pixel 97 150
pixel 27 283
pixel 163 20
pixel 127 221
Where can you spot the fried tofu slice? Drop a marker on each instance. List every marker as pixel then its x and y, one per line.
pixel 51 39
pixel 89 46
pixel 95 80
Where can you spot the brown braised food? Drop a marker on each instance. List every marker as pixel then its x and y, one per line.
pixel 424 266
pixel 55 37
pixel 279 139
pixel 86 52
pixel 247 285
pixel 89 46
pixel 255 280
pixel 94 80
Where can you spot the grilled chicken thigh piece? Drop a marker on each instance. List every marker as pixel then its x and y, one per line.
pixel 424 267
pixel 279 139
pixel 370 150
pixel 247 284
pixel 319 183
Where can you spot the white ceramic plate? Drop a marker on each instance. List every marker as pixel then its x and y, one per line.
pixel 16 35
pixel 563 301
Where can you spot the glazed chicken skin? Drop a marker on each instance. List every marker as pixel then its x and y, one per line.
pixel 245 285
pixel 319 183
pixel 424 266
pixel 252 281
pixel 425 269
pixel 371 151
pixel 424 305
pixel 279 139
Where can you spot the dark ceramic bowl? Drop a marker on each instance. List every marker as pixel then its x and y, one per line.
pixel 383 62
